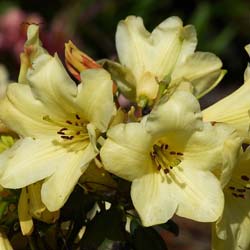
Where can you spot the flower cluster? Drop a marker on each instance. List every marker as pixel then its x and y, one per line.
pixel 137 119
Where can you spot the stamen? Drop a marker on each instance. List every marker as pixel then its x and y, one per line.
pixel 73 134
pixel 163 159
pixel 60 133
pixel 241 190
pixel 245 178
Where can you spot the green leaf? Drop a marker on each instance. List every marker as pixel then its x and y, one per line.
pixel 123 77
pixel 108 224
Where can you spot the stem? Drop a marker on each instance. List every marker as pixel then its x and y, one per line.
pixel 31 243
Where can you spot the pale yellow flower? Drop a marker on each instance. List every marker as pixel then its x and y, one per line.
pixel 165 54
pixel 169 156
pixel 58 123
pixel 231 232
pixel 233 109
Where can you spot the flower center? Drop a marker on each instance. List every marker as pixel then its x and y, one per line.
pixel 73 132
pixel 165 159
pixel 239 187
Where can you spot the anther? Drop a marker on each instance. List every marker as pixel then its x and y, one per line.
pixel 67 137
pixel 69 122
pixel 232 188
pixel 60 133
pixel 241 190
pixel 166 171
pixel 179 153
pixel 172 152
pixel 244 178
pixel 78 117
pixel 241 196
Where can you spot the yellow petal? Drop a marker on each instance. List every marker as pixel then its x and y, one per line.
pixel 181 112
pixel 202 69
pixel 126 151
pixel 4 242
pixel 44 158
pixel 54 191
pixel 232 110
pixel 191 193
pixel 24 114
pixel 52 85
pixel 95 97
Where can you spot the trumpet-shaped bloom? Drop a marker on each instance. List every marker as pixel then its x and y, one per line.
pixel 58 123
pixel 233 109
pixel 169 156
pixel 166 53
pixel 231 232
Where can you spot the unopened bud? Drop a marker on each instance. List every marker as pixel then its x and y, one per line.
pixel 77 61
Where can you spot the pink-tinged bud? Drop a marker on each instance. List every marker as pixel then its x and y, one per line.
pixel 77 61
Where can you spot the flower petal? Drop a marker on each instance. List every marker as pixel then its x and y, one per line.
pixel 181 112
pixel 154 200
pixel 29 161
pixel 205 148
pixel 232 230
pixel 23 113
pixel 95 97
pixel 52 85
pixel 126 151
pixel 200 194
pixel 232 110
pixel 202 69
pixel 141 51
pixel 54 191
pixel 191 193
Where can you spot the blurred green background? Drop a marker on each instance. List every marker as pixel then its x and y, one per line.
pixel 223 27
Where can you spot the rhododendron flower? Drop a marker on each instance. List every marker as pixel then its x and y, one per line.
pixel 231 231
pixel 166 54
pixel 58 123
pixel 169 156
